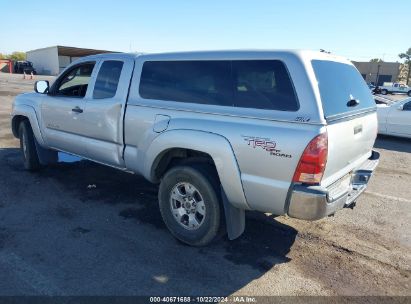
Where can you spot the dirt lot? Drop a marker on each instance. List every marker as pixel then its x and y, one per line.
pixel 83 229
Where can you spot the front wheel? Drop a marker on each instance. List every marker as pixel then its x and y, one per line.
pixel 28 147
pixel 384 92
pixel 190 204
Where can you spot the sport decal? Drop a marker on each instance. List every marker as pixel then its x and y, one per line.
pixel 266 144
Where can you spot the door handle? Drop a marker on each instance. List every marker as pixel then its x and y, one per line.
pixel 77 110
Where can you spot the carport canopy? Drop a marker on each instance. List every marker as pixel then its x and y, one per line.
pixel 78 52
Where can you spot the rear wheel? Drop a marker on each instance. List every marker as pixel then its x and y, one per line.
pixel 409 93
pixel 28 147
pixel 190 204
pixel 384 92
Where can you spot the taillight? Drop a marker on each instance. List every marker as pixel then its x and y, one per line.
pixel 311 167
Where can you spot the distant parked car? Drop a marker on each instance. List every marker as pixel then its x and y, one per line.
pixel 24 66
pixel 395 119
pixel 389 88
pixel 376 90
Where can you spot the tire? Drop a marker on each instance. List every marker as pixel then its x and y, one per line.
pixel 28 147
pixel 189 201
pixel 384 92
pixel 409 93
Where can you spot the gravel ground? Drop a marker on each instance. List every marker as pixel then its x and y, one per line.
pixel 84 229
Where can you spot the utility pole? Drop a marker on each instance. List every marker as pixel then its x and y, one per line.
pixel 378 75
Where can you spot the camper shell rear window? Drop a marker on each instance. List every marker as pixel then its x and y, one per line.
pixel 339 83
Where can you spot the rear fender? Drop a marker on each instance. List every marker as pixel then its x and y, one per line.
pixel 214 145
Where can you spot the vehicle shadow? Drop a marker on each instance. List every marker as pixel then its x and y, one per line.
pixel 392 143
pixel 161 265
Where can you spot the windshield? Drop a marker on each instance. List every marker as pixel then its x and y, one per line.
pixel 342 89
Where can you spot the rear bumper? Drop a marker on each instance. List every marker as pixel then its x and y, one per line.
pixel 315 202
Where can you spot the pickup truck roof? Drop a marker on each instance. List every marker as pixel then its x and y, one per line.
pixel 226 54
pixel 110 55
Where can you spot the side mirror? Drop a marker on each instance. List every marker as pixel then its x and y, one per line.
pixel 400 107
pixel 41 86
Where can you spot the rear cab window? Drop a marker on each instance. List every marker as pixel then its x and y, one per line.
pixel 107 79
pixel 340 83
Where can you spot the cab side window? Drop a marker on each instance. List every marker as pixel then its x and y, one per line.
pixel 257 84
pixel 107 79
pixel 407 106
pixel 263 84
pixel 75 82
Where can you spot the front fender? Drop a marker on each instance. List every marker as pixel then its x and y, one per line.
pixel 217 146
pixel 20 110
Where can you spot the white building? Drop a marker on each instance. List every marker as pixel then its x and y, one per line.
pixel 52 60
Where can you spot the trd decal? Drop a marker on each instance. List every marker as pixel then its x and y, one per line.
pixel 266 144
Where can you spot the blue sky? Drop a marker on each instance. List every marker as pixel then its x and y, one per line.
pixel 359 30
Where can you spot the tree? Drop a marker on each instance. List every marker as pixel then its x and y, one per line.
pixel 1 56
pixel 378 60
pixel 407 60
pixel 17 56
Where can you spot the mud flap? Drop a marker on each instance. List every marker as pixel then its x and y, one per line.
pixel 45 156
pixel 234 218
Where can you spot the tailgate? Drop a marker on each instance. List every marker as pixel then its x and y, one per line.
pixel 350 112
pixel 350 143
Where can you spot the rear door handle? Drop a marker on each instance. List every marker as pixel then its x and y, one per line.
pixel 77 110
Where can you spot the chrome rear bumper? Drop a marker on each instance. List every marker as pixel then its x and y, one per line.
pixel 315 202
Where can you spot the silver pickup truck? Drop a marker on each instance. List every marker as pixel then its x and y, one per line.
pixel 283 132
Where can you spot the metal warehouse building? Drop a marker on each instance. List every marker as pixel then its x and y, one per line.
pixel 52 60
pixel 378 72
